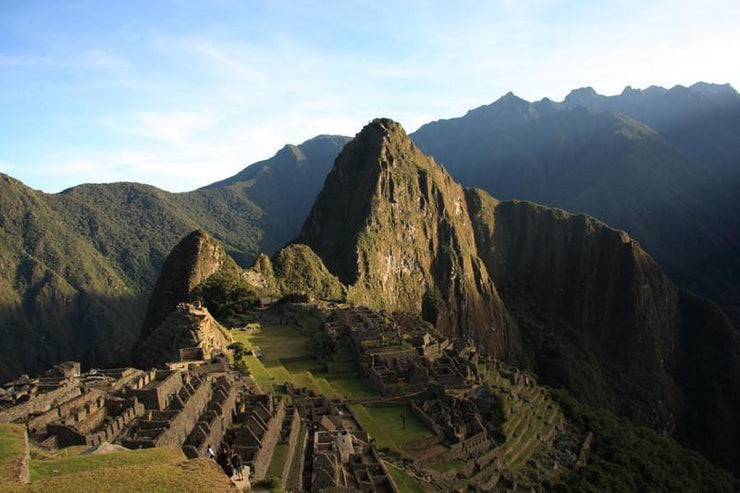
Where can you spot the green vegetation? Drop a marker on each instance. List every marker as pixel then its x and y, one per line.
pixel 99 249
pixel 295 469
pixel 287 355
pixel 41 469
pixel 279 456
pixel 12 448
pixel 624 457
pixel 443 467
pixel 194 475
pixel 157 469
pixel 405 483
pixel 385 425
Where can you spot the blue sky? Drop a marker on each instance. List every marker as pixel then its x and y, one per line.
pixel 179 94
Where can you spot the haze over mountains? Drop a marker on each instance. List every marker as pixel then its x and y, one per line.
pixel 78 266
pixel 663 165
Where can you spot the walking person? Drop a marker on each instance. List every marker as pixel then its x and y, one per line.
pixel 236 461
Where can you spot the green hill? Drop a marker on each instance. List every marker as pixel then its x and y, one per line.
pixel 78 267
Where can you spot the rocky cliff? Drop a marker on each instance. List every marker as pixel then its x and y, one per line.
pixel 576 300
pixel 599 317
pixel 394 227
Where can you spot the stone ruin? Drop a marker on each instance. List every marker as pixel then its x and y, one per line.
pixel 188 409
pixel 189 334
pixel 396 364
pixel 347 461
pixel 259 429
pixel 342 454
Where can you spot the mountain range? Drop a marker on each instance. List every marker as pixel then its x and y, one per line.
pixel 583 304
pixel 565 295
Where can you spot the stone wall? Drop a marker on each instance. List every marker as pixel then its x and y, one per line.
pixel 82 405
pixel 155 393
pixel 170 427
pixel 215 420
pixel 40 403
pixel 112 424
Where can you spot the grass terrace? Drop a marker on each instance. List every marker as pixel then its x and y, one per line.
pixel 12 449
pixel 385 425
pixel 287 356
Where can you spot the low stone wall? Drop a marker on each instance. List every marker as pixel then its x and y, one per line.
pixel 78 408
pixel 41 403
pixel 424 418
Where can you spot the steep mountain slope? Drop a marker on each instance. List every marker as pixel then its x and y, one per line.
pixel 393 226
pixel 199 270
pixel 668 179
pixel 59 297
pixel 103 245
pixel 599 317
pixel 579 302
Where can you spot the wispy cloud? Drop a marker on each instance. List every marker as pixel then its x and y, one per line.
pixel 182 99
pixel 175 127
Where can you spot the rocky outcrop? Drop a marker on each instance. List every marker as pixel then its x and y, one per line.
pixel 297 269
pixel 392 225
pixel 192 261
pixel 188 332
pixel 576 300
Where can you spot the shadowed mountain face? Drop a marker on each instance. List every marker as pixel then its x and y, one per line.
pixel 580 302
pixel 78 266
pixel 663 165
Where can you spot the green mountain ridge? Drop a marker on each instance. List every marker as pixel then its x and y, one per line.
pixel 565 295
pixel 80 265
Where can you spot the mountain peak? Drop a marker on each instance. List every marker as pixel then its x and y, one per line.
pixel 291 152
pixel 394 227
pixel 581 96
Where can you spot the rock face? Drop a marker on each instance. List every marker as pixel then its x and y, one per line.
pixel 661 164
pixel 579 302
pixel 599 317
pixel 188 332
pixel 595 311
pixel 394 227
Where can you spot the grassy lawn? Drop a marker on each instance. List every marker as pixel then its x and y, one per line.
pixel 12 446
pixel 194 475
pixel 279 343
pixel 279 456
pixel 386 426
pixel 295 470
pixel 41 469
pixel 351 388
pixel 448 466
pixel 259 373
pixel 403 482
